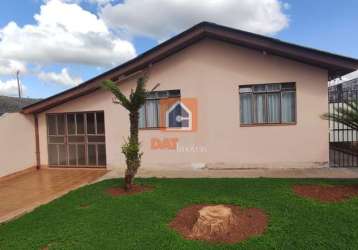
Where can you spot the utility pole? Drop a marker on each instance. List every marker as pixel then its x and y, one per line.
pixel 18 83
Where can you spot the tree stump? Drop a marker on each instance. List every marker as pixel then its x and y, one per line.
pixel 213 221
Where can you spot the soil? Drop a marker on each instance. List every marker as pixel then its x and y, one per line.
pixel 326 193
pixel 85 205
pixel 119 191
pixel 248 222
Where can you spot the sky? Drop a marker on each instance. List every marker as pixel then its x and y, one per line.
pixel 57 44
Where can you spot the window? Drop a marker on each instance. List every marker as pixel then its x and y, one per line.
pixel 76 139
pixel 268 103
pixel 149 113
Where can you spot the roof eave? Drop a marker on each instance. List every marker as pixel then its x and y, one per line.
pixel 335 64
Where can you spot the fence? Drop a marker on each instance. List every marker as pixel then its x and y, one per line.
pixel 343 140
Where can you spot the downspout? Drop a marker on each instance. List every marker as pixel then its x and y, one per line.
pixel 37 141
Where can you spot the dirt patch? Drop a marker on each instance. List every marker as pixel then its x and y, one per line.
pixel 119 191
pixel 85 205
pixel 248 222
pixel 326 193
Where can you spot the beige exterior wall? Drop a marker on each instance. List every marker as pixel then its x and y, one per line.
pixel 212 71
pixel 17 143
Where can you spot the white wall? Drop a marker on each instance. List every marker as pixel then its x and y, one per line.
pixel 17 143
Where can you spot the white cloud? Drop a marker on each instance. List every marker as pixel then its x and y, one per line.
pixel 63 78
pixel 98 2
pixel 161 18
pixel 64 33
pixel 286 6
pixel 9 88
pixel 10 67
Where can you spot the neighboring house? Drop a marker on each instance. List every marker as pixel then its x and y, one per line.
pixel 255 102
pixel 339 94
pixel 10 104
pixel 347 90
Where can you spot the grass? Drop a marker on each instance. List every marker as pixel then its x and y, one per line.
pixel 88 218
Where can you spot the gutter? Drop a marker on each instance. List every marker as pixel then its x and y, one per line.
pixel 37 141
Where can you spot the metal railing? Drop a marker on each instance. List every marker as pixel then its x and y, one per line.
pixel 343 140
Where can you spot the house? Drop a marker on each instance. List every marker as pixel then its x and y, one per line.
pixel 344 90
pixel 10 104
pixel 254 101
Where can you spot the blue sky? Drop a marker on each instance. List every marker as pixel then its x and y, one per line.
pixel 115 31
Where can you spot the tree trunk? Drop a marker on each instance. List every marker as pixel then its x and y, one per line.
pixel 133 161
pixel 134 118
pixel 213 221
pixel 128 179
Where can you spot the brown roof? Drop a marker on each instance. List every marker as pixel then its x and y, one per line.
pixel 336 65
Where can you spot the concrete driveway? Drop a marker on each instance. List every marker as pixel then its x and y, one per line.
pixel 23 192
pixel 177 172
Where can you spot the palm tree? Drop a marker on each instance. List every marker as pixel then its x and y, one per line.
pixel 347 114
pixel 131 147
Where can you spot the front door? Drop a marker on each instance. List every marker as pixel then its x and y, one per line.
pixel 76 139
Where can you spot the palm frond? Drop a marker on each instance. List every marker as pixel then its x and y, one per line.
pixel 346 114
pixel 138 96
pixel 122 99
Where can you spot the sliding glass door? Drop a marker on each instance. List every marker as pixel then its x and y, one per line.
pixel 76 139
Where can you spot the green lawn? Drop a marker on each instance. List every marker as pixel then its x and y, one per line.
pixel 141 221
